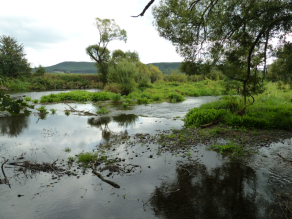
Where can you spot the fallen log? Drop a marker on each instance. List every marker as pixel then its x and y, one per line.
pixel 103 179
pixel 215 122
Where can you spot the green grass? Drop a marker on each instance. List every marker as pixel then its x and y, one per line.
pixel 53 111
pixel 35 101
pixel 102 110
pixel 235 150
pixel 77 95
pixel 272 109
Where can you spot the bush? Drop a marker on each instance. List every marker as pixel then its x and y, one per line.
pixel 175 97
pixel 143 100
pixel 116 97
pixel 197 117
pixel 114 88
pixel 40 71
pixel 123 74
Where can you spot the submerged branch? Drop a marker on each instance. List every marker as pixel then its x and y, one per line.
pixel 103 179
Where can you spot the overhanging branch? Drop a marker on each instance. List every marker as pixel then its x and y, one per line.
pixel 145 9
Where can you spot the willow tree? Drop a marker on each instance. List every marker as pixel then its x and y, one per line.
pixel 108 31
pixel 235 35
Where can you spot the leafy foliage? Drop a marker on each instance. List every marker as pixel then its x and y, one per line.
pixel 12 58
pixel 123 73
pixel 40 71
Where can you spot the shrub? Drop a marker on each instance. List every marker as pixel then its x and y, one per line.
pixel 197 117
pixel 175 97
pixel 116 97
pixel 123 73
pixel 114 88
pixel 143 100
pixel 40 71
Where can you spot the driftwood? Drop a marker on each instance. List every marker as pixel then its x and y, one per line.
pixel 283 157
pixel 5 180
pixel 103 179
pixel 211 123
pixel 80 111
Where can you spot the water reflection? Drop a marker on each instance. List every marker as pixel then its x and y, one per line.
pixel 228 191
pixel 13 126
pixel 126 120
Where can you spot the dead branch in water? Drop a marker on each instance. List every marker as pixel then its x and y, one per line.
pixel 5 180
pixel 103 179
pixel 87 113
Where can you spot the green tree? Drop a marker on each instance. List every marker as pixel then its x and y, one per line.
pixel 108 31
pixel 123 73
pixel 281 68
pixel 155 73
pixel 233 34
pixel 40 71
pixel 12 57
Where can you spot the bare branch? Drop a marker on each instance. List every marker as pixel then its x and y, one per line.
pixel 145 9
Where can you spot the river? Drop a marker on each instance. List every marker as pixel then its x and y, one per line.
pixel 196 183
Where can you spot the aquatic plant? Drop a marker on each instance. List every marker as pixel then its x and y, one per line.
pixel 236 150
pixel 43 110
pixel 102 110
pixel 35 101
pixel 143 100
pixel 27 98
pixel 53 111
pixel 125 104
pixel 71 159
pixel 67 113
pixel 67 150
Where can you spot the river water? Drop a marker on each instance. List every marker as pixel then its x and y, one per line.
pixel 203 184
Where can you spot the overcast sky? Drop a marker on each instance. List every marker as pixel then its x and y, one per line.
pixel 57 31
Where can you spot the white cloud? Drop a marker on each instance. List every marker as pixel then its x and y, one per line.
pixel 56 31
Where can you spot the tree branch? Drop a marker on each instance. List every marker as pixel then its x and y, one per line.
pixel 145 9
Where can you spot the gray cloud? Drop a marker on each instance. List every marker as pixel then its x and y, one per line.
pixel 31 33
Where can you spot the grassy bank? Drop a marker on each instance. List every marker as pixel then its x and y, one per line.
pixel 271 110
pixel 53 82
pixel 157 92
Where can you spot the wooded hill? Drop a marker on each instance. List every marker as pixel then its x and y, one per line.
pixel 89 67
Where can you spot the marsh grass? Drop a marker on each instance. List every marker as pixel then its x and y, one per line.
pixel 272 109
pixel 102 110
pixel 35 101
pixel 232 148
pixel 27 98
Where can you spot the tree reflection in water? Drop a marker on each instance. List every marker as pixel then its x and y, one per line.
pixel 228 191
pixel 126 120
pixel 13 126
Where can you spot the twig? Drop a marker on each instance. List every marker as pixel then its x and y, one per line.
pixel 6 180
pixel 51 165
pixel 145 9
pixel 283 157
pixel 103 179
pixel 283 210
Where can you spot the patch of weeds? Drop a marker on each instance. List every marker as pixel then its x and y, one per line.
pixel 35 101
pixel 189 153
pixel 175 98
pixel 177 117
pixel 233 148
pixel 125 104
pixel 67 113
pixel 67 150
pixel 87 157
pixel 216 131
pixel 255 132
pixel 102 110
pixel 43 109
pixel 71 159
pixel 27 99
pixel 116 97
pixel 143 100
pixel 171 136
pixel 53 111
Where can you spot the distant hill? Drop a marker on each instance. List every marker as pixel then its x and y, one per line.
pixel 89 67
pixel 166 67
pixel 73 67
